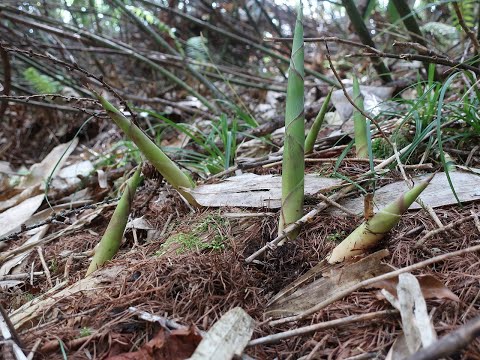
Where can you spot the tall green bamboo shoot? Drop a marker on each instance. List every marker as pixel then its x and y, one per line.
pixel 359 123
pixel 169 170
pixel 293 166
pixel 112 238
pixel 317 124
pixel 370 232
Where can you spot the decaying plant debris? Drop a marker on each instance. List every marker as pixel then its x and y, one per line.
pixel 203 258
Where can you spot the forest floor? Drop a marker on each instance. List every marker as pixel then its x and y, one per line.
pixel 188 265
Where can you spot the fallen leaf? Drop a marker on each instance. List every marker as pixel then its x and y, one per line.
pixel 228 337
pixel 69 175
pixel 18 198
pixel 432 288
pixel 50 165
pixel 257 191
pixel 344 107
pixel 399 349
pixel 336 280
pixel 438 193
pixel 417 326
pixel 174 345
pixel 13 218
pixel 8 265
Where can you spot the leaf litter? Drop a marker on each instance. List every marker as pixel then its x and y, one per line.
pixel 192 291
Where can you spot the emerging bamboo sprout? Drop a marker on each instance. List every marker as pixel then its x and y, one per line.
pixel 112 238
pixel 169 170
pixel 293 166
pixel 317 124
pixel 370 232
pixel 359 123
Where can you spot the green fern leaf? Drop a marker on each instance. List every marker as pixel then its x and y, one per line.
pixel 41 83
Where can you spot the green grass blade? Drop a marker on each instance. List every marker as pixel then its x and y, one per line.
pixel 439 135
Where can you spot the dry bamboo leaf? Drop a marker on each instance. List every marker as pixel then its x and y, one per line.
pixel 227 338
pixel 11 263
pixel 345 109
pixel 173 345
pixel 438 193
pixel 70 175
pixel 13 218
pixel 251 190
pixel 37 306
pixel 22 196
pixel 325 287
pixel 432 288
pixel 50 165
pixel 417 326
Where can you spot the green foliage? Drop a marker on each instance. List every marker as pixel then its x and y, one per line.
pixel 467 8
pixel 444 35
pixel 41 83
pixel 336 237
pixel 151 19
pixel 196 48
pixel 381 148
pixel 209 234
pixel 218 142
pixel 53 266
pixel 85 331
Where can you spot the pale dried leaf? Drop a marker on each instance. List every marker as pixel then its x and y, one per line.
pixel 438 193
pixel 69 175
pixel 416 324
pixel 139 223
pixel 324 288
pixel 257 191
pixel 11 263
pixel 17 199
pixel 228 337
pixel 37 306
pixel 5 284
pixel 13 218
pixel 102 179
pixel 432 288
pixel 344 107
pixel 50 165
pixel 399 349
pixel 6 168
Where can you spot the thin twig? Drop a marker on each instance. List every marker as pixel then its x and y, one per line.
pixel 61 217
pixel 423 58
pixel 463 25
pixel 350 100
pixel 343 293
pixel 450 343
pixel 45 266
pixel 335 204
pixel 34 349
pixel 450 226
pixel 320 326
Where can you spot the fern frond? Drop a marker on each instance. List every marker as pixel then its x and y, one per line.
pixel 467 8
pixel 41 83
pixel 196 48
pixel 150 18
